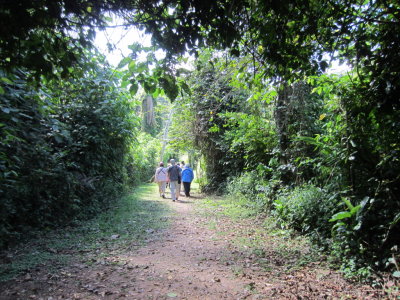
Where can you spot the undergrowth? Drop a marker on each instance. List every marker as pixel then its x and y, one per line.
pixel 255 236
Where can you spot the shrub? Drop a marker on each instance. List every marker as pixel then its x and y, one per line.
pixel 306 208
pixel 254 188
pixel 63 151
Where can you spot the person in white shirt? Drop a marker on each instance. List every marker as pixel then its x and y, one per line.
pixel 161 178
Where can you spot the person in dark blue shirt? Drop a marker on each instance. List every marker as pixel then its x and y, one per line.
pixel 174 175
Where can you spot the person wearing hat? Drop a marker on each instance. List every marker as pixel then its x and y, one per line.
pixel 174 175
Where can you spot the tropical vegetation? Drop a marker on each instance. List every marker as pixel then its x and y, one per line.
pixel 258 113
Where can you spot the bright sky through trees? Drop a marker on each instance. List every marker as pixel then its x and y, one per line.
pixel 113 42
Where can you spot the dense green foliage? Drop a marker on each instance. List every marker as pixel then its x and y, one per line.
pixel 67 148
pixel 320 152
pixel 47 37
pixel 306 152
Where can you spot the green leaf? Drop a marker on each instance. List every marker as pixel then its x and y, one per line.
pixel 340 216
pixel 132 66
pixel 124 84
pixel 6 80
pixel 124 62
pixel 2 91
pixel 355 209
pixel 186 88
pixel 348 203
pixel 149 86
pixel 156 93
pixel 134 88
pixel 141 67
pixel 396 274
pixel 169 86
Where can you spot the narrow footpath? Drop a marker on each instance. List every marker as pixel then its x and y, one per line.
pixel 198 256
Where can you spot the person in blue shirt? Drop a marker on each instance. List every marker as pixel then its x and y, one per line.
pixel 187 178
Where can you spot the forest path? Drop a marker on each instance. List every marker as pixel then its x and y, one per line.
pixel 202 254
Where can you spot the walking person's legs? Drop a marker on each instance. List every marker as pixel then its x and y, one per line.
pixel 163 184
pixel 182 189
pixel 178 190
pixel 173 186
pixel 188 190
pixel 186 186
pixel 159 187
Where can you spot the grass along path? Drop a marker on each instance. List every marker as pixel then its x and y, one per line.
pixel 44 260
pixel 153 248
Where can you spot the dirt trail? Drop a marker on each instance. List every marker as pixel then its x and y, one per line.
pixel 186 261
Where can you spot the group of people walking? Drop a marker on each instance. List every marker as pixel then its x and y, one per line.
pixel 174 175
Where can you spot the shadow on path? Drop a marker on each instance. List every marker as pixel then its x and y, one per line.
pixel 154 248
